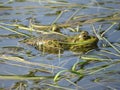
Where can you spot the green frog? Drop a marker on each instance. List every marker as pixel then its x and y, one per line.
pixel 55 43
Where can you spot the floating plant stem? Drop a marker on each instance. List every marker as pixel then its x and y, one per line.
pixel 102 67
pixel 58 17
pixel 58 87
pixel 23 77
pixel 110 53
pixel 108 29
pixel 98 68
pixel 94 30
pixel 93 58
pixel 13 31
pixel 77 86
pixel 57 76
pixel 23 27
pixel 17 59
pixel 111 45
pixel 73 15
pixel 30 28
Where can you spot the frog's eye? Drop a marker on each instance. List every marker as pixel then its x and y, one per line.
pixel 85 36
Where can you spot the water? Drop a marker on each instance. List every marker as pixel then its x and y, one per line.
pixel 21 11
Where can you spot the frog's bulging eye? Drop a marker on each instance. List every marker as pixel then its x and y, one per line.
pixel 83 35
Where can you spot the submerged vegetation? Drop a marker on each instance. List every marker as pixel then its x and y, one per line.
pixel 89 56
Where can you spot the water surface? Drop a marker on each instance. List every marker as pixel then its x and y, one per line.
pixel 45 12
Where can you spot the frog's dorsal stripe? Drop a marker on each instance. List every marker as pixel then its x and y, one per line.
pixel 82 42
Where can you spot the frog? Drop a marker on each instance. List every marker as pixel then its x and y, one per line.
pixel 57 43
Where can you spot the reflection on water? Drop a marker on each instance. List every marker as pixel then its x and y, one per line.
pixel 45 12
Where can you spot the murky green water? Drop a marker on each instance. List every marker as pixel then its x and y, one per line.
pixel 45 12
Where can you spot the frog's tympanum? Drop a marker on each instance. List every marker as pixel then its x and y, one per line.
pixel 54 43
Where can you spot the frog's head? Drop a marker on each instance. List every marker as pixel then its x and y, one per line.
pixel 84 42
pixel 83 35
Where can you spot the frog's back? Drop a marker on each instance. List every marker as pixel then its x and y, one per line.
pixel 44 38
